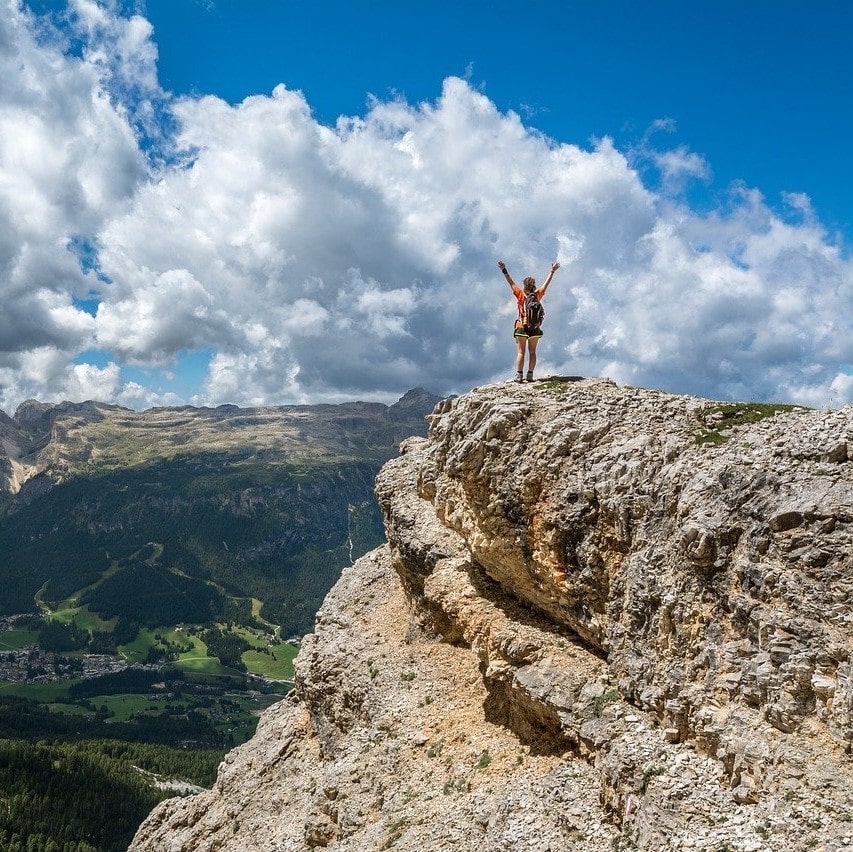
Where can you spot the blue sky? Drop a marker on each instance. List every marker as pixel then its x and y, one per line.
pixel 264 202
pixel 763 90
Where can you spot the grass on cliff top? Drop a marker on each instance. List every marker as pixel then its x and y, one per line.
pixel 559 384
pixel 718 418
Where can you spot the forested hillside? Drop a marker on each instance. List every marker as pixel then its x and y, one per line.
pixel 188 515
pixel 153 566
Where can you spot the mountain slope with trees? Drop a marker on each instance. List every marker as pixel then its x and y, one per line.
pixel 174 550
pixel 187 514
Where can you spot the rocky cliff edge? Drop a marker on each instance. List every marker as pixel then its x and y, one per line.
pixel 605 619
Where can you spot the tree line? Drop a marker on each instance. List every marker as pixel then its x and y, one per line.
pixel 87 796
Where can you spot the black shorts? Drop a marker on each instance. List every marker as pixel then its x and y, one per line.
pixel 524 331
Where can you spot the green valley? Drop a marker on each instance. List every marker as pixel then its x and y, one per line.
pixel 157 570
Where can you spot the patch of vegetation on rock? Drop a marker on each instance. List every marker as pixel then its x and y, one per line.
pixel 718 418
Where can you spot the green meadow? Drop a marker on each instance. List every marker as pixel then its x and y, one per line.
pixel 276 665
pixel 43 693
pixel 84 618
pixel 125 706
pixel 13 640
pixel 204 665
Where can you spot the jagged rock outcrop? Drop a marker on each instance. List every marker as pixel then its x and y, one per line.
pixel 599 623
pixel 39 439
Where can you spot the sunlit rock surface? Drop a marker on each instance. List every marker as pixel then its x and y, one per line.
pixel 602 621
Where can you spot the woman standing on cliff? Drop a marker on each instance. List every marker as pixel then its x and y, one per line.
pixel 528 327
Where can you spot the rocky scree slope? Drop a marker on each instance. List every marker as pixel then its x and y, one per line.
pixel 588 631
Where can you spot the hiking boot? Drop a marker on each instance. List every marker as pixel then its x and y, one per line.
pixel 518 377
pixel 529 376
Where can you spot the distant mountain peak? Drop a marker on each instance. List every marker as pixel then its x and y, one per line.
pixel 416 399
pixel 61 438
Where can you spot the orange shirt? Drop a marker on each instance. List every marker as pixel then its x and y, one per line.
pixel 520 296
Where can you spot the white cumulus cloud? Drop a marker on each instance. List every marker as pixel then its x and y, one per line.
pixel 321 262
pixel 68 160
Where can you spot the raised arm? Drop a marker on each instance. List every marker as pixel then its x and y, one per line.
pixel 554 267
pixel 502 267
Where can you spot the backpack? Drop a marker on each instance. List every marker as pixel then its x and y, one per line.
pixel 534 313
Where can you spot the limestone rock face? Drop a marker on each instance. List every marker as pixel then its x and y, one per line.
pixel 591 629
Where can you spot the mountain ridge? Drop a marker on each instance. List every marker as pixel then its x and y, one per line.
pixel 61 438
